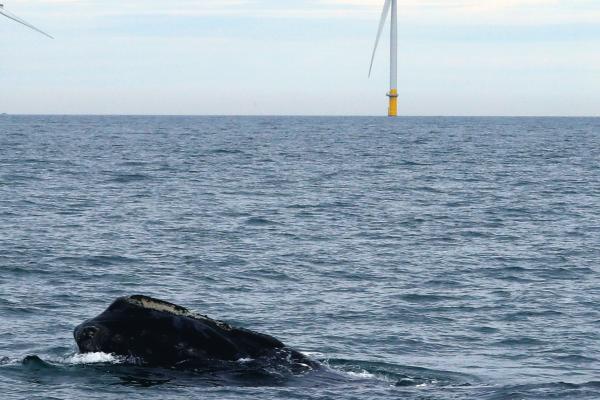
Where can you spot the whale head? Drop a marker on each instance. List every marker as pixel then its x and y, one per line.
pixel 150 329
pixel 156 332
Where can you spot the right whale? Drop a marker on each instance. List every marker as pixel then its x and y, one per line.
pixel 160 333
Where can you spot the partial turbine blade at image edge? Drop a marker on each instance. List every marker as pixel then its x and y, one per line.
pixel 22 22
pixel 384 14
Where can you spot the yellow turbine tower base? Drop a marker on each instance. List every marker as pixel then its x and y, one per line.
pixel 393 109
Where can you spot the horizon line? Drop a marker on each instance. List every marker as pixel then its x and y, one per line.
pixel 296 115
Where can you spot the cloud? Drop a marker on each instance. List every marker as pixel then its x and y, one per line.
pixel 415 12
pixel 473 12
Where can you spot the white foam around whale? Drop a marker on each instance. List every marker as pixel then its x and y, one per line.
pixel 313 354
pixel 361 375
pixel 94 358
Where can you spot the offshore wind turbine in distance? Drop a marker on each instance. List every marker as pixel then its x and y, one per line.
pixel 393 93
pixel 10 15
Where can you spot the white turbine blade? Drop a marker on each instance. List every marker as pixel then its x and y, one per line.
pixel 384 14
pixel 23 22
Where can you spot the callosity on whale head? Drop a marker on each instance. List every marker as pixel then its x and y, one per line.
pixel 161 333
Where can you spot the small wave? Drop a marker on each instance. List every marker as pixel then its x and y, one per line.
pixel 36 363
pixel 4 360
pixel 576 359
pixel 425 298
pixel 97 260
pixel 399 375
pixel 526 314
pixel 260 221
pixel 411 163
pixel 520 341
pixel 555 390
pixel 226 151
pixel 428 189
pixel 128 178
pixel 134 164
pixel 485 329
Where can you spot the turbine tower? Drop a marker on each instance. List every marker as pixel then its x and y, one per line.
pixel 10 15
pixel 393 93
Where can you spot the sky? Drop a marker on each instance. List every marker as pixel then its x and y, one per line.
pixel 300 57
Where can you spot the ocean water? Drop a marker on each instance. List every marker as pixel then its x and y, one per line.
pixel 417 258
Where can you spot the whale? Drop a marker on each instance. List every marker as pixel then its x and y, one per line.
pixel 158 333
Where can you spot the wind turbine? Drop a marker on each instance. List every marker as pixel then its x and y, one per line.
pixel 10 15
pixel 393 93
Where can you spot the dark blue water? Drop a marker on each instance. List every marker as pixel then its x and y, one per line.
pixel 419 258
